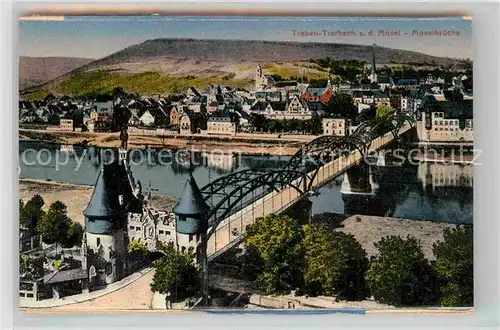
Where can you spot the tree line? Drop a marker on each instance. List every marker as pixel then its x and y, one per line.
pixel 281 256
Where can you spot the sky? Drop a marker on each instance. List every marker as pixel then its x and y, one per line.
pixel 98 36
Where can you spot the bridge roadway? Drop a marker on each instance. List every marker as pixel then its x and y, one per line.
pixel 276 202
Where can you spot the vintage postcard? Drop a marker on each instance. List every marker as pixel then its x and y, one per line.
pixel 245 163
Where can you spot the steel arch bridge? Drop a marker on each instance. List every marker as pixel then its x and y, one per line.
pixel 233 192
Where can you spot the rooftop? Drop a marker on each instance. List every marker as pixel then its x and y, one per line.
pixel 191 200
pixel 65 275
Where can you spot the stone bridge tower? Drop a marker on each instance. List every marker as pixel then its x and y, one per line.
pixel 106 224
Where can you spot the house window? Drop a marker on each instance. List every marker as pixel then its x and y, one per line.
pixel 183 249
pixel 98 241
pixel 167 232
pixel 162 232
pixel 190 237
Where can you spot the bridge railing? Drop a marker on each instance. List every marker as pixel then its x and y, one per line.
pixel 229 231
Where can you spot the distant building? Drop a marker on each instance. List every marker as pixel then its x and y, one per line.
pixel 373 74
pixel 380 97
pixel 296 109
pixel 185 126
pixel 334 126
pixel 147 118
pixel 66 124
pixel 221 125
pixel 446 118
pixel 317 94
pixel 385 82
pixel 102 111
pixel 262 81
pixel 407 83
pixel 212 107
pixel 174 116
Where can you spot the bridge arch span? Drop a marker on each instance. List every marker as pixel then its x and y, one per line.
pixel 234 189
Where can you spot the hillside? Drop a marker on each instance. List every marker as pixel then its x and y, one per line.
pixel 38 70
pixel 169 65
pixel 262 51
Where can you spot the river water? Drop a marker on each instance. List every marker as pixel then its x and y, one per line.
pixel 427 191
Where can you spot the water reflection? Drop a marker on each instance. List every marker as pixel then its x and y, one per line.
pixel 429 191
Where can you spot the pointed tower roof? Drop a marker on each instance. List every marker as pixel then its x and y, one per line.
pixel 105 201
pixel 191 201
pixel 374 68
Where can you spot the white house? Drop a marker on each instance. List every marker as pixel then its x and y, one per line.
pixel 147 118
pixel 334 126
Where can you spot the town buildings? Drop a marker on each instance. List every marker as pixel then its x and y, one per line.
pixel 447 117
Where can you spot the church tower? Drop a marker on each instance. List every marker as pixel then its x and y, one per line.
pixel 373 73
pixel 106 223
pixel 329 82
pixel 258 76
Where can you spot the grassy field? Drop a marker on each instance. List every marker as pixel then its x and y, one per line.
pixel 287 70
pixel 141 83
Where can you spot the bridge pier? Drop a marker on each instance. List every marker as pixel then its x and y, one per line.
pixel 360 189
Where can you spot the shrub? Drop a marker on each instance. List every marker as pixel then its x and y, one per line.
pixel 335 264
pixel 454 265
pixel 400 275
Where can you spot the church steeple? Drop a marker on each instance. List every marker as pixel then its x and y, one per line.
pixel 373 74
pixel 374 67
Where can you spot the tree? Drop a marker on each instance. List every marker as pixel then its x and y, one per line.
pixel 276 239
pixel 138 252
pixel 335 264
pixel 31 213
pixel 315 125
pixel 257 121
pixel 31 267
pixel 400 275
pixel 175 273
pixel 342 104
pixel 251 264
pixel 454 264
pixel 383 111
pixel 74 235
pixel 367 114
pixel 55 224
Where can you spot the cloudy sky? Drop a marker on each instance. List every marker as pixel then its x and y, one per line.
pixel 98 36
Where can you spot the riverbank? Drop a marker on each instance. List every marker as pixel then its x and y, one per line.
pixel 242 143
pixel 370 229
pixel 75 197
